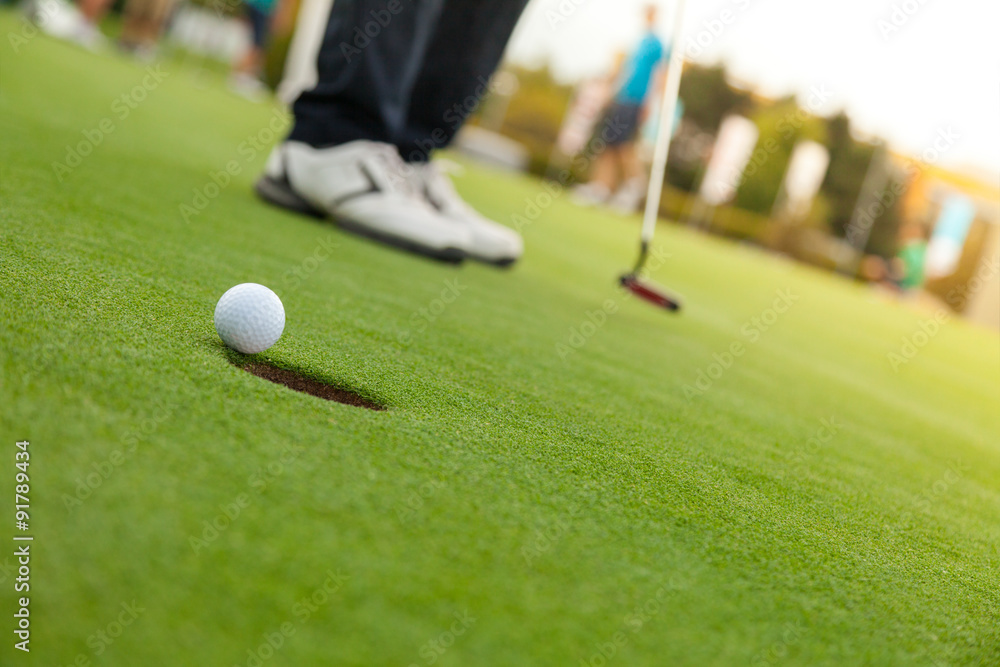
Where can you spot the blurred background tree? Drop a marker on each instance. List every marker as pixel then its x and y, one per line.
pixel 849 163
pixel 533 115
pixel 708 97
pixel 781 124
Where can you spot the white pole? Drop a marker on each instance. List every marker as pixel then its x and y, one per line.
pixel 668 109
pixel 300 66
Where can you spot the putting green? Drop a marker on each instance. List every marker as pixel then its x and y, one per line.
pixel 564 475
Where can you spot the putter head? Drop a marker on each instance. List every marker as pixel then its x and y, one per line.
pixel 646 292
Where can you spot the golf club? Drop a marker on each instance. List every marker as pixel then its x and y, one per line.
pixel 668 109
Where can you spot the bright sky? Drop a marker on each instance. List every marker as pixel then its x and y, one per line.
pixel 940 70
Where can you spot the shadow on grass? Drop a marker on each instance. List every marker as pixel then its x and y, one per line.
pixel 297 379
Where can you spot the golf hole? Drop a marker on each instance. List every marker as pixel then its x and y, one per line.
pixel 311 386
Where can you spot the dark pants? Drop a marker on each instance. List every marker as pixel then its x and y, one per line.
pixel 259 24
pixel 405 72
pixel 622 118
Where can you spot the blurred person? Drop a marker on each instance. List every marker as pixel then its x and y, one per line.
pixel 910 257
pixel 143 25
pixel 618 177
pixel 74 23
pixel 586 109
pixel 394 82
pixel 93 11
pixel 873 269
pixel 883 276
pixel 247 75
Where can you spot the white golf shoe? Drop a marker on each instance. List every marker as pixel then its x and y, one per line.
pixel 489 241
pixel 366 188
pixel 590 194
pixel 628 197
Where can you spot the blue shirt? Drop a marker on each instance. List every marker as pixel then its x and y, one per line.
pixel 263 6
pixel 638 72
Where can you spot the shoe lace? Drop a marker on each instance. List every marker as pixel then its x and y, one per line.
pixel 390 172
pixel 438 186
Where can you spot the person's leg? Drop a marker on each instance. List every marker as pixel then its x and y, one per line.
pixel 466 48
pixel 250 62
pixel 631 166
pixel 607 169
pixel 157 21
pixel 386 72
pixel 632 186
pixel 132 24
pixel 338 161
pixel 94 10
pixel 367 70
pixel 611 166
pixel 143 24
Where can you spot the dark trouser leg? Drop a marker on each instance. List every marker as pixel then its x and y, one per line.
pixel 466 49
pixel 364 87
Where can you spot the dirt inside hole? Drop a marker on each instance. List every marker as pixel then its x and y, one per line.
pixel 306 385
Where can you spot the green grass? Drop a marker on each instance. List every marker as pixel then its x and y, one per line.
pixel 548 495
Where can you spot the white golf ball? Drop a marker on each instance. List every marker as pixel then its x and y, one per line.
pixel 249 318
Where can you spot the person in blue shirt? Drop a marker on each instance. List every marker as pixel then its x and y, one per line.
pixel 617 177
pixel 247 73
